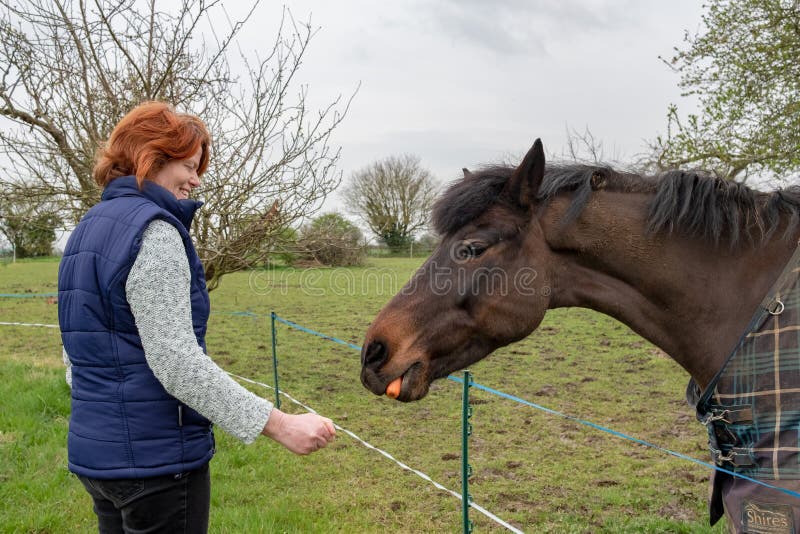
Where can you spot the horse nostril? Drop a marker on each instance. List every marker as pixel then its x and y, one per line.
pixel 374 354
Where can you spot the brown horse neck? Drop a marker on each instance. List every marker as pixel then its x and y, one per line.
pixel 689 297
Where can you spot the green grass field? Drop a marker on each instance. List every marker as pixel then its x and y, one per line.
pixel 539 472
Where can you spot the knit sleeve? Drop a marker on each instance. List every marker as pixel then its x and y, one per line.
pixel 68 365
pixel 158 292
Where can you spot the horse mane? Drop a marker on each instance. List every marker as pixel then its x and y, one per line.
pixel 694 203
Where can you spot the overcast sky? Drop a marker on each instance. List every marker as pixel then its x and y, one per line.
pixel 465 82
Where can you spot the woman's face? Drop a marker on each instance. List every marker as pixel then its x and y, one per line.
pixel 179 176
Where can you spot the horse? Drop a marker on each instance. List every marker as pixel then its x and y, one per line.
pixel 682 258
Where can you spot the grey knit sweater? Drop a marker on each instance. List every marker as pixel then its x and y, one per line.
pixel 157 290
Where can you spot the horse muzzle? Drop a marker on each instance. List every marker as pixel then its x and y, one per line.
pixel 379 368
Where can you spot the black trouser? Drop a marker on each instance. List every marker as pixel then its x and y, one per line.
pixel 170 503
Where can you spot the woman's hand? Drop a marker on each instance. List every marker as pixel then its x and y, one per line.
pixel 301 434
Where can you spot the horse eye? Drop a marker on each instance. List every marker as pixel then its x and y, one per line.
pixel 469 251
pixel 476 249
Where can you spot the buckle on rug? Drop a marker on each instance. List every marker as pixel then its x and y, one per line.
pixel 731 416
pixel 722 440
pixel 735 456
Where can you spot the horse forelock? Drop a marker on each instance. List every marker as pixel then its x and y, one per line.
pixel 694 203
pixel 467 199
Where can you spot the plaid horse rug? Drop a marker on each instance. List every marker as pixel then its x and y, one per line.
pixel 752 412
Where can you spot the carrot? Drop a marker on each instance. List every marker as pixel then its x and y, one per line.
pixel 393 389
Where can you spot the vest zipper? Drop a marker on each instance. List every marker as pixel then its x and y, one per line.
pixel 180 415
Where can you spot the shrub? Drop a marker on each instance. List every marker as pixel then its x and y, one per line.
pixel 332 240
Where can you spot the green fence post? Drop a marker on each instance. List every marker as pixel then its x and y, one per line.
pixel 275 362
pixel 466 469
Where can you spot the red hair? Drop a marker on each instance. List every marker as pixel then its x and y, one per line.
pixel 147 138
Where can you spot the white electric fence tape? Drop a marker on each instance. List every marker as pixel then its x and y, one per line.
pixel 420 474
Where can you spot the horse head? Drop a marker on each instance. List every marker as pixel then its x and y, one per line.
pixel 486 285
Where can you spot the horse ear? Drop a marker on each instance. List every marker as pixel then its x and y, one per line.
pixel 524 183
pixel 467 174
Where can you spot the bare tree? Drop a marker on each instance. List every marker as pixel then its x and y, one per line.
pixel 71 69
pixel 393 197
pixel 583 147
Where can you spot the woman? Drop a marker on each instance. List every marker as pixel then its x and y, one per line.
pixel 133 309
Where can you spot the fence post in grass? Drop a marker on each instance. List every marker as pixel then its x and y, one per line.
pixel 466 469
pixel 275 361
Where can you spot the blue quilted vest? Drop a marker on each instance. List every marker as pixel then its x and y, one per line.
pixel 123 423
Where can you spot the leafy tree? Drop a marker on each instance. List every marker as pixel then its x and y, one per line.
pixel 393 197
pixel 286 248
pixel 743 68
pixel 426 243
pixel 30 229
pixel 70 70
pixel 332 240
